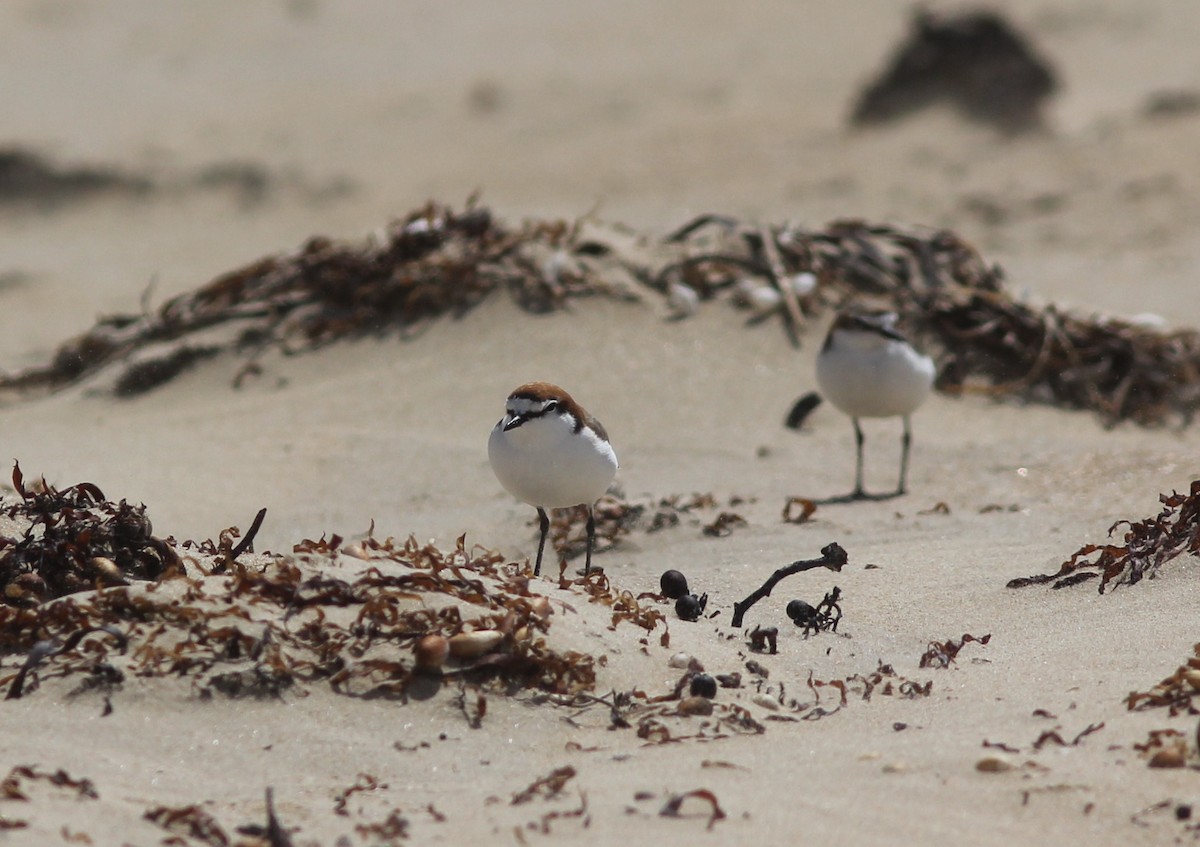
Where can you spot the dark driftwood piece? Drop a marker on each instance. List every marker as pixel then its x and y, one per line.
pixel 248 541
pixel 832 557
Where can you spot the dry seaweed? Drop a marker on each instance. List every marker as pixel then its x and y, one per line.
pixel 1148 545
pixel 437 262
pixel 364 782
pixel 1176 692
pixel 625 606
pixel 547 786
pixel 1052 736
pixel 75 540
pixel 10 786
pixel 543 824
pixel 391 829
pixel 44 650
pixel 1166 748
pixel 723 525
pixel 672 807
pixel 942 654
pixel 28 178
pixel 883 680
pixel 280 629
pixel 798 510
pixel 190 822
pixel 617 518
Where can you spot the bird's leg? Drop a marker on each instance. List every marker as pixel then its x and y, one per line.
pixel 591 539
pixel 905 444
pixel 544 525
pixel 858 460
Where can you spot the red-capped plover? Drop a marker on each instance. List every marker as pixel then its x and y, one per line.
pixel 867 369
pixel 550 453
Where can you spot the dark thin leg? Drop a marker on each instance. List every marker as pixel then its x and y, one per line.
pixel 591 532
pixel 905 444
pixel 859 493
pixel 544 525
pixel 859 440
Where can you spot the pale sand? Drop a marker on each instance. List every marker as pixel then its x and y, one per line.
pixel 653 114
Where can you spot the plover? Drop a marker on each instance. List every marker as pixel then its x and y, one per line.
pixel 550 453
pixel 868 369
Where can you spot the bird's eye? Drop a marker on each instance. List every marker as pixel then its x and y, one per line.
pixel 551 405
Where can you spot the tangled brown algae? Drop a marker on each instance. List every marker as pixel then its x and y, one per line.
pixel 437 262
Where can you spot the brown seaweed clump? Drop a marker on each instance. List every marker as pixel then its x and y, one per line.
pixel 976 61
pixel 262 631
pixel 438 263
pixel 1176 693
pixel 75 540
pixel 1148 545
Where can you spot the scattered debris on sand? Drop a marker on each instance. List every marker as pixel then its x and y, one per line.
pixel 1148 545
pixel 74 540
pixel 27 178
pixel 976 61
pixel 31 181
pixel 1176 693
pixel 438 263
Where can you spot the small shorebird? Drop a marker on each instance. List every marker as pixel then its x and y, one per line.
pixel 869 370
pixel 550 453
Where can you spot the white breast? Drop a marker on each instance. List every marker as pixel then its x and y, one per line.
pixel 545 463
pixel 869 376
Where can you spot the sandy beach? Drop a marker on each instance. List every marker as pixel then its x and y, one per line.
pixel 227 132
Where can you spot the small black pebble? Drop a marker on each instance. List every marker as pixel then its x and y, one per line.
pixel 801 612
pixel 673 584
pixel 703 685
pixel 1183 811
pixel 688 607
pixel 898 726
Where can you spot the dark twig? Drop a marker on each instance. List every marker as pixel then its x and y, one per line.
pixel 832 557
pixel 277 836
pixel 248 540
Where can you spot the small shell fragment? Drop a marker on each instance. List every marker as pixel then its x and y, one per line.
pixel 803 283
pixel 682 300
pixel 994 764
pixel 540 607
pixel 430 652
pixel 762 299
pixel 695 706
pixel 472 645
pixel 766 701
pixel 680 660
pixel 1192 677
pixel 1171 757
pixel 107 570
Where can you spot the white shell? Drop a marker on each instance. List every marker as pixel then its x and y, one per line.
pixel 472 645
pixel 766 701
pixel 803 284
pixel 683 300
